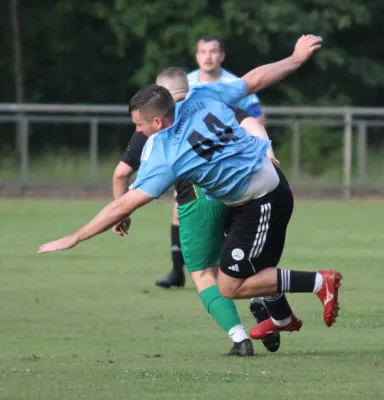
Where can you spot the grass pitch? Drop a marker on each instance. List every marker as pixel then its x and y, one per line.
pixel 90 324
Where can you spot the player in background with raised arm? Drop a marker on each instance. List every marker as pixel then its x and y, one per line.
pixel 210 55
pixel 130 163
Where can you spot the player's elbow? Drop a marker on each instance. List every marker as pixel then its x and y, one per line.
pixel 260 120
pixel 122 172
pixel 119 177
pixel 254 82
pixel 133 200
pixel 254 127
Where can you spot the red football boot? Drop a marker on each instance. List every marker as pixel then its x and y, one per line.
pixel 328 295
pixel 268 327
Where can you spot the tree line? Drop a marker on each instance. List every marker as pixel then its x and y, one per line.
pixel 102 51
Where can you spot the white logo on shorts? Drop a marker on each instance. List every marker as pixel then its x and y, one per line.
pixel 234 268
pixel 237 254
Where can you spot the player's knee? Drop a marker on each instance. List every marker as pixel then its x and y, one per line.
pixel 229 287
pixel 204 279
pixel 197 276
pixel 227 291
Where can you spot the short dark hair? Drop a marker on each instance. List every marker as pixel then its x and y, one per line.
pixel 211 38
pixel 153 101
pixel 172 72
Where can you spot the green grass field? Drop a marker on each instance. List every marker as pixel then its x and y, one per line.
pixel 90 324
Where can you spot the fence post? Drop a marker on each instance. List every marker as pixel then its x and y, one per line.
pixel 296 151
pixel 347 167
pixel 362 153
pixel 24 150
pixel 93 149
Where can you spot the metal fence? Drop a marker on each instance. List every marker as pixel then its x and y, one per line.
pixel 349 121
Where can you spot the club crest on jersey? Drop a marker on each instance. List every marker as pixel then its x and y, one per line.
pixel 237 254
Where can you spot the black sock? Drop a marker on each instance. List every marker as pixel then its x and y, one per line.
pixel 278 306
pixel 295 281
pixel 177 255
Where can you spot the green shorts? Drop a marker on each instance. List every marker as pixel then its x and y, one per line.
pixel 202 224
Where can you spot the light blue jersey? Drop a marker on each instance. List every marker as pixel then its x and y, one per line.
pixel 205 145
pixel 250 104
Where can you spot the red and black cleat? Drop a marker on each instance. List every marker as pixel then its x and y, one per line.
pixel 268 327
pixel 328 295
pixel 260 312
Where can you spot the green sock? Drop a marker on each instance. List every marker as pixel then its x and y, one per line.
pixel 222 310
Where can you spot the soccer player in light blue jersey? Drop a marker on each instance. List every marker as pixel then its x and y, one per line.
pixel 200 140
pixel 210 55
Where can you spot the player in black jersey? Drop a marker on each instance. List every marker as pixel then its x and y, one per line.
pixel 124 170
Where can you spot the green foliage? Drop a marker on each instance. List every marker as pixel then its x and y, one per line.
pixel 166 32
pixel 345 27
pixel 104 50
pixel 320 150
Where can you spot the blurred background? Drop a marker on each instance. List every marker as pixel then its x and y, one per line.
pixel 68 69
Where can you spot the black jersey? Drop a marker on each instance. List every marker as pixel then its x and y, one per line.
pixel 135 148
pixel 185 191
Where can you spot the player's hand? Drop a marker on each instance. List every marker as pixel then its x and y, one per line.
pixel 305 46
pixel 64 243
pixel 122 228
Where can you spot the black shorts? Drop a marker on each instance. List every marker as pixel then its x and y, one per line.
pixel 256 238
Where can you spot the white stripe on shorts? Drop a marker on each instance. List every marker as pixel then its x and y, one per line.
pixel 262 230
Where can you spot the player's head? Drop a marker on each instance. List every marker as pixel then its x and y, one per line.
pixel 175 80
pixel 210 53
pixel 152 109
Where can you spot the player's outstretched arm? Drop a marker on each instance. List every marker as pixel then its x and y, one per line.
pixel 266 75
pixel 110 215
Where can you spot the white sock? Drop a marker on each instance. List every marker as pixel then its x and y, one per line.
pixel 283 322
pixel 318 282
pixel 238 333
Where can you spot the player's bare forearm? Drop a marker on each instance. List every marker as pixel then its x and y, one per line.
pixel 253 127
pixel 120 182
pixel 119 187
pixel 266 75
pixel 110 215
pixel 105 219
pixel 113 213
